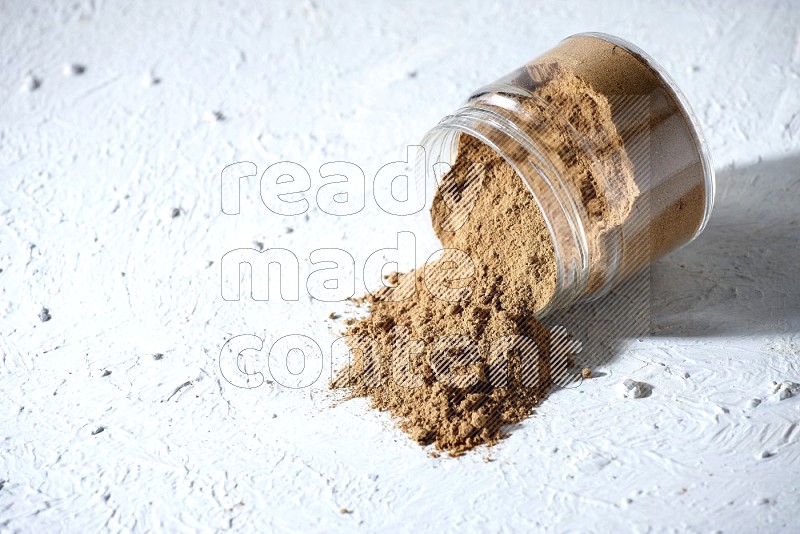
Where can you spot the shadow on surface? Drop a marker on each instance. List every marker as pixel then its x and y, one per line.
pixel 741 276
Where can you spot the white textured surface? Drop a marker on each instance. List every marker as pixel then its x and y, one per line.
pixel 93 164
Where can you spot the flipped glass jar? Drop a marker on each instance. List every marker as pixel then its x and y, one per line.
pixel 609 149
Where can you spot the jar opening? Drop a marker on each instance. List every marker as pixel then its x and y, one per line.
pixel 541 179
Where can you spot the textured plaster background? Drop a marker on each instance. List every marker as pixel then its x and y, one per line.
pixel 94 163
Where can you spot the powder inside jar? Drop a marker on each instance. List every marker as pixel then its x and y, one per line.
pixel 454 350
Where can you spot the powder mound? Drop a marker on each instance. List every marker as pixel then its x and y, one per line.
pixel 453 349
pixel 454 362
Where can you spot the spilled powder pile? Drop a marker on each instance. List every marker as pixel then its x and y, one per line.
pixel 453 349
pixel 417 380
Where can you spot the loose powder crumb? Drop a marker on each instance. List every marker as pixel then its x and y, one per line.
pixel 453 349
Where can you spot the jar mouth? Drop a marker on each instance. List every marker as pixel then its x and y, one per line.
pixel 682 103
pixel 441 145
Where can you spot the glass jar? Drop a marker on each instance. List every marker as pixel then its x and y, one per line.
pixel 607 146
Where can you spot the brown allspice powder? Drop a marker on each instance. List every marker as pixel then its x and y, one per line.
pixel 453 349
